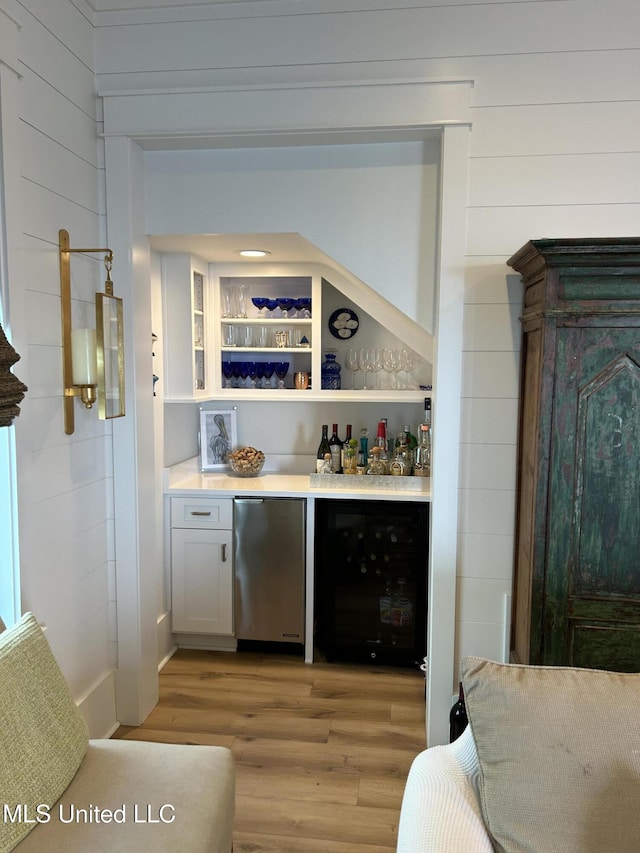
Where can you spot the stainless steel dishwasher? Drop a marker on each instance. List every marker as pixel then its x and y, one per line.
pixel 269 555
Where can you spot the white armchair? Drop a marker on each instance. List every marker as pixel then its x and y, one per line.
pixel 440 808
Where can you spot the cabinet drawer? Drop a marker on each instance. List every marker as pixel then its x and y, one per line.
pixel 198 512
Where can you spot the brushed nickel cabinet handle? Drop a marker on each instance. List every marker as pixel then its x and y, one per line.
pixel 199 512
pixel 224 552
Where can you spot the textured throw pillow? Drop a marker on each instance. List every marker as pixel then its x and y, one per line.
pixel 559 754
pixel 43 737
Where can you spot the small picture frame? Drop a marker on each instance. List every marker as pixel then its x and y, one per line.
pixel 218 438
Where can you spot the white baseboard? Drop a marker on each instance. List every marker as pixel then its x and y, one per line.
pixel 98 706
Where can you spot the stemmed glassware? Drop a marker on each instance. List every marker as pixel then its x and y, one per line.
pixel 244 373
pixel 227 372
pixel 260 374
pixel 376 364
pixel 281 369
pixel 272 304
pixel 390 365
pixel 286 304
pixel 252 370
pixel 269 367
pixel 303 306
pixel 365 364
pixel 260 303
pixel 352 365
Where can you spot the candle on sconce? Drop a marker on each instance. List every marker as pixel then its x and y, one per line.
pixel 83 356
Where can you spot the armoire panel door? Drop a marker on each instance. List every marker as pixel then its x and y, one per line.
pixel 591 612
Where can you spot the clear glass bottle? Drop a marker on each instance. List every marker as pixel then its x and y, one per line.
pixel 323 447
pixel 401 607
pixel 335 448
pixel 422 462
pixel 326 466
pixel 330 373
pixel 386 600
pixel 382 456
pixel 402 463
pixel 376 465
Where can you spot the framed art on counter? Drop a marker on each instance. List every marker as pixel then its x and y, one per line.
pixel 218 438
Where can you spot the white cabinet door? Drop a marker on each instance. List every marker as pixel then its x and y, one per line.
pixel 202 581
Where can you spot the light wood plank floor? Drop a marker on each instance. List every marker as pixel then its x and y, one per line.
pixel 322 750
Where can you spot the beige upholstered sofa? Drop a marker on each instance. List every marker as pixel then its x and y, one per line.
pixel 550 763
pixel 61 791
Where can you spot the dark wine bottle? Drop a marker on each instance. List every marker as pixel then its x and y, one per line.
pixel 323 447
pixel 458 717
pixel 335 447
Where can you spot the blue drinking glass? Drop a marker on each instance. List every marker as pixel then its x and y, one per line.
pixel 227 372
pixel 260 374
pixel 260 302
pixel 252 370
pixel 286 304
pixel 269 367
pixel 272 304
pixel 303 306
pixel 282 368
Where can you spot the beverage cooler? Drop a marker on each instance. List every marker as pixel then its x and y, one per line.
pixel 371 581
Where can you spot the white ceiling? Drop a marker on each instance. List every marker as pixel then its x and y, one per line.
pixel 224 248
pixel 129 5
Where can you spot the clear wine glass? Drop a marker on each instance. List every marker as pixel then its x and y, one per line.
pixel 403 367
pixel 364 363
pixel 352 365
pixel 269 367
pixel 286 304
pixel 390 365
pixel 409 364
pixel 281 370
pixel 227 372
pixel 376 363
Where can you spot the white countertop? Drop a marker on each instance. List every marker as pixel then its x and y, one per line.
pixel 186 480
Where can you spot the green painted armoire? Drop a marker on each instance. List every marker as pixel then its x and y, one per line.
pixel 576 595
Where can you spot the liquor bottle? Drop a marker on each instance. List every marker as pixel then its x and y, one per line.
pixel 402 463
pixel 326 466
pixel 345 447
pixel 335 448
pixel 381 445
pixel 422 461
pixel 458 717
pixel 386 600
pixel 427 410
pixel 323 447
pixel 401 607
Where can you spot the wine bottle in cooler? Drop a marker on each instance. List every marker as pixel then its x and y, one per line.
pixel 323 447
pixel 335 447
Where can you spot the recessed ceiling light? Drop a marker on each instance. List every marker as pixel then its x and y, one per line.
pixel 253 253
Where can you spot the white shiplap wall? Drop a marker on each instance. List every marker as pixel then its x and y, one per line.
pixel 64 482
pixel 554 151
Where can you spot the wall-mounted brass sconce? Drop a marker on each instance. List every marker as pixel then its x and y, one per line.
pixel 93 359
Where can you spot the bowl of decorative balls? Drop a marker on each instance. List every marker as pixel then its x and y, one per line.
pixel 246 462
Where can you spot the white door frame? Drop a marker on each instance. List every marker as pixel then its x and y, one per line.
pixel 384 111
